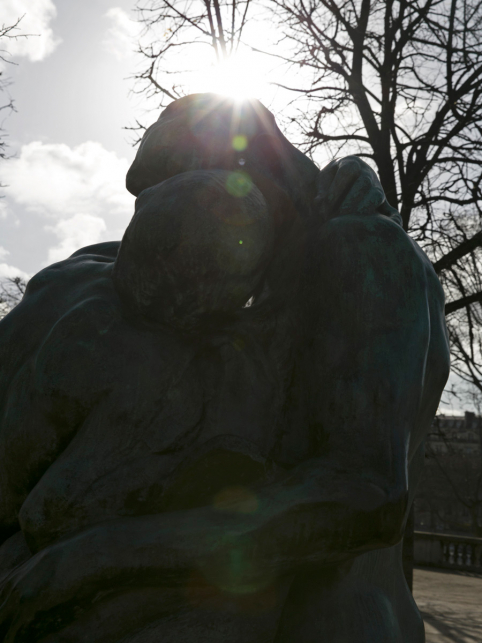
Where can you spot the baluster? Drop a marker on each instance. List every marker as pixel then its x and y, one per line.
pixel 460 554
pixel 451 554
pixel 478 551
pixel 468 555
pixel 445 553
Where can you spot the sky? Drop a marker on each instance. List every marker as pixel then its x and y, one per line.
pixel 65 182
pixel 71 82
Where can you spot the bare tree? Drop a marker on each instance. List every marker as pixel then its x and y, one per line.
pixel 175 32
pixel 11 292
pixel 7 32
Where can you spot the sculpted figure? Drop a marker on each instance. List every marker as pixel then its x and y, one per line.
pixel 212 431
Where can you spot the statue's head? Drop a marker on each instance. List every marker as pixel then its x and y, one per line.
pixel 218 186
pixel 193 252
pixel 212 132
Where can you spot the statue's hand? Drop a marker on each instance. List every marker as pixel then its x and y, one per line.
pixel 31 589
pixel 350 186
pixel 38 596
pixel 55 587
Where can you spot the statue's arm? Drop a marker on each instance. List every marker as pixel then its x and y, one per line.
pixel 38 416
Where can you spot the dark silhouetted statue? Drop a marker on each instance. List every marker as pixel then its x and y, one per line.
pixel 212 431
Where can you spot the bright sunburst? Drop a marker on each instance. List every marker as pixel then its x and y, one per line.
pixel 240 77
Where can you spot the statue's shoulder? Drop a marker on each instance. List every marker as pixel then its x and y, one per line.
pixel 378 241
pixel 84 268
pixel 51 295
pixel 372 259
pixel 107 250
pixel 370 263
pixel 66 283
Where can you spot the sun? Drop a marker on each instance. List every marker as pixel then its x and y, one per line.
pixel 239 77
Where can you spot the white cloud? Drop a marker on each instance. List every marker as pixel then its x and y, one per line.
pixel 56 180
pixel 121 35
pixel 37 15
pixel 10 272
pixel 79 192
pixel 3 253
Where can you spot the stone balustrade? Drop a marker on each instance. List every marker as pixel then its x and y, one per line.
pixel 449 551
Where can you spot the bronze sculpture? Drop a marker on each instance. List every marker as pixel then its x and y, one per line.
pixel 213 430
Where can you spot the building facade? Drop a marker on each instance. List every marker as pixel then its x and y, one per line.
pixel 449 495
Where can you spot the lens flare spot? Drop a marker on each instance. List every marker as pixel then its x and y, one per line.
pixel 237 499
pixel 240 242
pixel 238 343
pixel 239 184
pixel 240 143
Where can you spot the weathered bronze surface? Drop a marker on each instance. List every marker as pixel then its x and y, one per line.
pixel 212 431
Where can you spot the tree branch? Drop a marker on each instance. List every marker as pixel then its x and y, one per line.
pixel 463 302
pixel 457 253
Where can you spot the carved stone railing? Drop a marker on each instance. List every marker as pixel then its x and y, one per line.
pixel 445 550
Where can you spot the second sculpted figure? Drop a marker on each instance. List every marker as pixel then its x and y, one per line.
pixel 212 431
